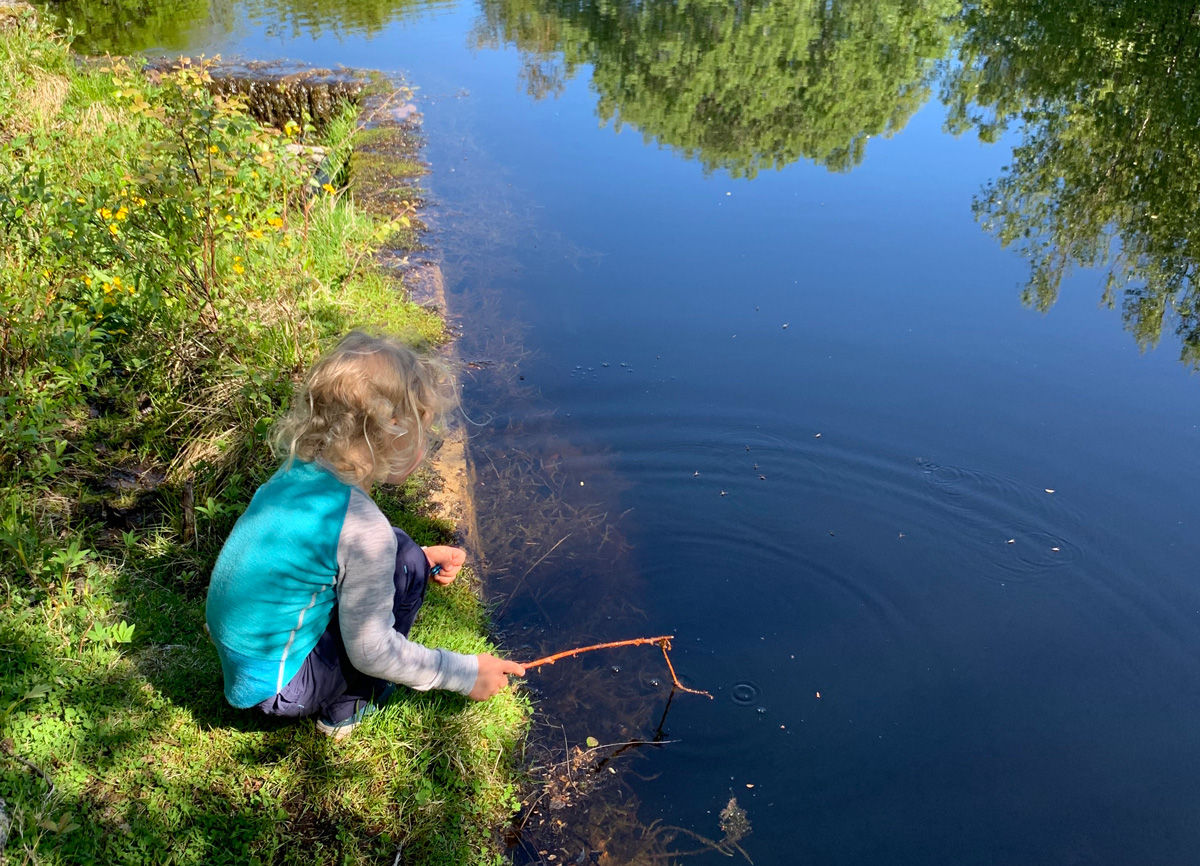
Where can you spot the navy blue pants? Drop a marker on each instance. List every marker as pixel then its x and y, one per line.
pixel 327 683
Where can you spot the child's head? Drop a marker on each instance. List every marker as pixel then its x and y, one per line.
pixel 366 409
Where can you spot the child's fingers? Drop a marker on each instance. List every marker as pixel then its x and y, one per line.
pixel 493 676
pixel 451 559
pixel 445 561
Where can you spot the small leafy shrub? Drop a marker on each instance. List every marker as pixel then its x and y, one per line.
pixel 161 253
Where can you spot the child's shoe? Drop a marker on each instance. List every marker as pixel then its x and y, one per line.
pixel 341 730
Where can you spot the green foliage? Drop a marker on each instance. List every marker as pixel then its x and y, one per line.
pixel 115 273
pixel 317 17
pixel 130 26
pixel 744 86
pixel 1107 174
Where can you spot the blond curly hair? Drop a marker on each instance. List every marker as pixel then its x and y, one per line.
pixel 368 409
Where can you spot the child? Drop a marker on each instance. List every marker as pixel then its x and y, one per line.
pixel 314 593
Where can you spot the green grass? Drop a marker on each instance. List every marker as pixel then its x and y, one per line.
pixel 132 433
pixel 150 765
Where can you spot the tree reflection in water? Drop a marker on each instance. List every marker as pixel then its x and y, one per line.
pixel 1107 174
pixel 738 86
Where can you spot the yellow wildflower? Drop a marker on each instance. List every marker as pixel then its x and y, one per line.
pixel 328 187
pixel 87 281
pixel 212 148
pixel 107 288
pixel 275 222
pixel 141 202
pixel 254 233
pixel 113 230
pixel 238 269
pixel 104 214
pixel 122 213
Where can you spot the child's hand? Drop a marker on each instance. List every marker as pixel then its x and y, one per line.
pixel 493 676
pixel 451 559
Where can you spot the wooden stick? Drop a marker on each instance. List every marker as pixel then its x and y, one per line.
pixel 675 679
pixel 662 641
pixel 637 641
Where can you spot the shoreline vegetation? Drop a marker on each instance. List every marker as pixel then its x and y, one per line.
pixel 167 271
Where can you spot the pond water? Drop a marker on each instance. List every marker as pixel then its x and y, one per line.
pixel 752 364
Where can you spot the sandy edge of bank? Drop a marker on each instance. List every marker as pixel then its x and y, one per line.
pixel 451 497
pixel 424 284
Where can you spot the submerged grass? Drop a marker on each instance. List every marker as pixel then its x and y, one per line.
pixel 164 279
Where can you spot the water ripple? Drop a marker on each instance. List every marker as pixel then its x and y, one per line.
pixel 744 693
pixel 1021 531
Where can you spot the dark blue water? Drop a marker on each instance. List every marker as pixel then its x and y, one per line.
pixel 933 551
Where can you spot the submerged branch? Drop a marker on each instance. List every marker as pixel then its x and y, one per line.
pixel 521 579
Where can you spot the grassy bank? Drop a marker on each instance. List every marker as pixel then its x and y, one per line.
pixel 164 278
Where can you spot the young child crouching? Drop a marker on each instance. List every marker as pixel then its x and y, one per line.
pixel 314 592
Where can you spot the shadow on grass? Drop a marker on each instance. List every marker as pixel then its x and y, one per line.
pixel 129 753
pixel 138 760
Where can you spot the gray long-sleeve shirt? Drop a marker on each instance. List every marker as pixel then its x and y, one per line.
pixel 366 562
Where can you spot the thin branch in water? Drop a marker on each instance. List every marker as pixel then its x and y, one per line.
pixel 628 744
pixel 663 642
pixel 637 641
pixel 521 579
pixel 722 847
pixel 675 677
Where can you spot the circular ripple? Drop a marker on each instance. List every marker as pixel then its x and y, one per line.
pixel 1029 552
pixel 650 680
pixel 986 493
pixel 949 478
pixel 744 693
pixel 1017 530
